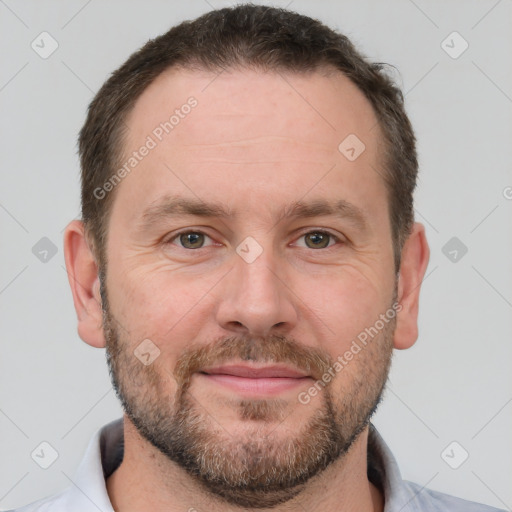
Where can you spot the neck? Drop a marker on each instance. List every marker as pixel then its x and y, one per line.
pixel 147 480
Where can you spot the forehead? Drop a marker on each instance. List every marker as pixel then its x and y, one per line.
pixel 249 136
pixel 311 107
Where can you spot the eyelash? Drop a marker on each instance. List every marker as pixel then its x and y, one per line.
pixel 320 231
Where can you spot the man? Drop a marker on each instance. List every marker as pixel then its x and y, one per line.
pixel 249 258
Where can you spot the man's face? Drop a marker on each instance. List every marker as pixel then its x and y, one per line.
pixel 259 289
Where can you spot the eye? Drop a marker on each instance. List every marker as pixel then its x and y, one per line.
pixel 190 239
pixel 319 239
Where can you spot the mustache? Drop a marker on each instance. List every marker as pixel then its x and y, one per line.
pixel 273 349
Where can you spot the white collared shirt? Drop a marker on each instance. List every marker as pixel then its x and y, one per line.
pixel 104 454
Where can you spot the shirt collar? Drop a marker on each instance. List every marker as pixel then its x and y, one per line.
pixel 383 471
pixel 105 451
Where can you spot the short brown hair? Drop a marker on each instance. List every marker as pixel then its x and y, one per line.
pixel 245 36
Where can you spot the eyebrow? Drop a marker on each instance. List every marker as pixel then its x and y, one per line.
pixel 173 206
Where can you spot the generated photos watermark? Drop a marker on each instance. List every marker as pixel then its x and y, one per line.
pixel 152 140
pixel 357 345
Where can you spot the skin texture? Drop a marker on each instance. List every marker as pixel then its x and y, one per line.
pixel 254 143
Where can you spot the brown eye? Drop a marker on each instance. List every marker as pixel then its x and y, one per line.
pixel 192 239
pixel 317 239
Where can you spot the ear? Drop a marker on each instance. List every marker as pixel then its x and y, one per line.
pixel 85 285
pixel 414 262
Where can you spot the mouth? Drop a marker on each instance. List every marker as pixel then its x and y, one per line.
pixel 255 381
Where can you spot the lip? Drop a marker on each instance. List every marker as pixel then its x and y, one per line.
pixel 255 381
pixel 253 372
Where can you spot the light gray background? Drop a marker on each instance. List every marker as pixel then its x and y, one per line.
pixel 453 385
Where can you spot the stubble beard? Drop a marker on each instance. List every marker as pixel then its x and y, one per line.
pixel 257 467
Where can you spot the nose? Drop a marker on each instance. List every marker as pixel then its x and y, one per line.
pixel 255 299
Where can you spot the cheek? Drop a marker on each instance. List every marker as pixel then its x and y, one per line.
pixel 153 302
pixel 344 304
